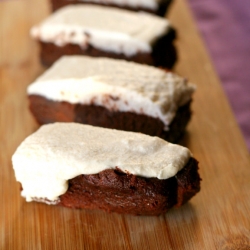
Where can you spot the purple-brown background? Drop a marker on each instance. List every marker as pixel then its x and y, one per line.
pixel 225 28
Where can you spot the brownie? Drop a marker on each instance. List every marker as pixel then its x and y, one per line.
pixel 96 31
pixel 163 54
pixel 112 93
pixel 48 111
pixel 160 10
pixel 82 166
pixel 116 191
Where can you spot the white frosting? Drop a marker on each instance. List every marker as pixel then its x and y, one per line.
pixel 47 159
pixel 145 4
pixel 109 29
pixel 114 84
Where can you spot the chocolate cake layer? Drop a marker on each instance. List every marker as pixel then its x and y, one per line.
pixel 163 53
pixel 160 11
pixel 48 111
pixel 116 191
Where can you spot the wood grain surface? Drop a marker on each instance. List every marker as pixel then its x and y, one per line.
pixel 217 218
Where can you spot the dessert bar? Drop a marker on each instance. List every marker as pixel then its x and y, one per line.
pixel 114 94
pixel 81 166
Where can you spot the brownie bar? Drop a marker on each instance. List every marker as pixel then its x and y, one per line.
pixel 82 166
pixel 160 11
pixel 48 111
pixel 116 191
pixel 163 54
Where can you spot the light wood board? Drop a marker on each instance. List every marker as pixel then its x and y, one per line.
pixel 217 218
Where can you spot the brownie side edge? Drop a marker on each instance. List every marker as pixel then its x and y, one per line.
pixel 116 191
pixel 48 111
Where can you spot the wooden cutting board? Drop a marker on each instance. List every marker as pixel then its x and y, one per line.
pixel 217 218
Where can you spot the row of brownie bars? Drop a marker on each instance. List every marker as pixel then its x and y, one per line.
pixel 136 173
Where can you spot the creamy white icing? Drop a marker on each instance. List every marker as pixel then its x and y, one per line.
pixel 109 29
pixel 116 85
pixel 47 159
pixel 147 4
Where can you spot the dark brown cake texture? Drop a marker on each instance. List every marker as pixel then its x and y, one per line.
pixel 47 111
pixel 160 11
pixel 116 191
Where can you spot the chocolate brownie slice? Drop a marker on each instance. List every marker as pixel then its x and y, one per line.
pixel 82 166
pixel 114 94
pixel 106 32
